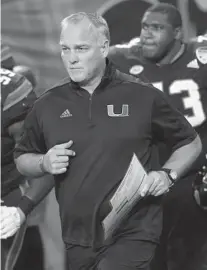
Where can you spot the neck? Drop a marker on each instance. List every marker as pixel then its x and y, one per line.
pixel 91 85
pixel 175 52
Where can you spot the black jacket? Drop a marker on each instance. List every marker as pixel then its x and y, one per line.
pixel 122 117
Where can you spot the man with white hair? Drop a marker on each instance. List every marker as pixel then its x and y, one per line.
pixel 85 131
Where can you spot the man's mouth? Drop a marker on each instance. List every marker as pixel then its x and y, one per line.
pixel 149 45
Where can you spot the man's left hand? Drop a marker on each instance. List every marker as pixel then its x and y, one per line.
pixel 157 183
pixel 11 220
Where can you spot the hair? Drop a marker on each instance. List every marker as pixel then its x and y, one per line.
pixel 173 14
pixel 97 21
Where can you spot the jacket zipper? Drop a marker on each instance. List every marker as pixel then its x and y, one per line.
pixel 90 107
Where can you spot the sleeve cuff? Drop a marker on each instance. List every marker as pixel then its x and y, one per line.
pixel 26 205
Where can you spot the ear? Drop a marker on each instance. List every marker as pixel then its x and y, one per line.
pixel 105 48
pixel 178 32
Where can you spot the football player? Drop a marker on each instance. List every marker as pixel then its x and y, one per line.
pixel 46 211
pixel 17 197
pixel 160 57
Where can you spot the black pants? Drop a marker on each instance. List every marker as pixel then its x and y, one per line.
pixel 11 247
pixel 124 254
pixel 184 237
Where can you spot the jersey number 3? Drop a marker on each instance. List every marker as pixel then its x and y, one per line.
pixel 192 101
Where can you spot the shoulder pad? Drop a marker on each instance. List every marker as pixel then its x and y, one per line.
pixel 199 46
pixel 201 54
pixel 14 88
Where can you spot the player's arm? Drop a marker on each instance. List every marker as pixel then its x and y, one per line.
pixel 37 189
pixel 13 217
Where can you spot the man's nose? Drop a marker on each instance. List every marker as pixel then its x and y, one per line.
pixel 73 58
pixel 148 33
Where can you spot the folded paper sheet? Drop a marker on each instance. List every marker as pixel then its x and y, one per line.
pixel 125 197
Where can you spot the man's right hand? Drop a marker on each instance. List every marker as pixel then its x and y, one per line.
pixel 56 160
pixel 11 219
